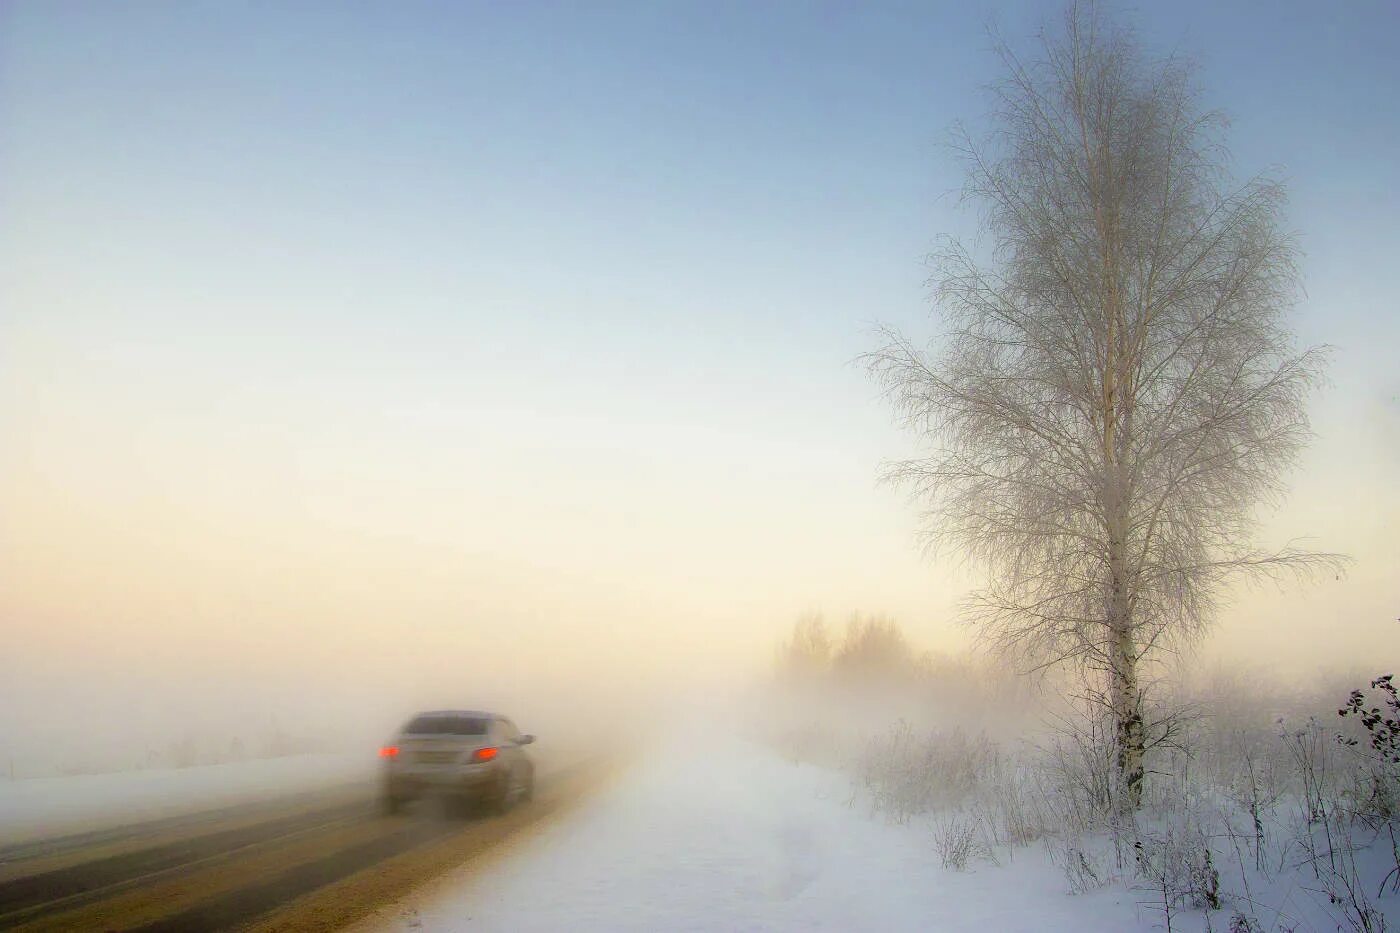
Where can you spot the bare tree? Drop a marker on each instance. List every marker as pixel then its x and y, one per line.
pixel 807 655
pixel 874 649
pixel 1117 391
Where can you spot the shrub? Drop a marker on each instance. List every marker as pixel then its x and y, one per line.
pixel 959 840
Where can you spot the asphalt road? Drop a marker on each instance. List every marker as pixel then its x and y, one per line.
pixel 313 861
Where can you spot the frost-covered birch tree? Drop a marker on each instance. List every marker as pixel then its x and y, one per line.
pixel 1116 391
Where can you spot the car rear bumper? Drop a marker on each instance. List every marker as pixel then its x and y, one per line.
pixel 471 780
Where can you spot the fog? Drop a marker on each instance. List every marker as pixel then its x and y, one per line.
pixel 240 571
pixel 319 407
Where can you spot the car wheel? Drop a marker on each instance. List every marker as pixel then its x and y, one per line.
pixel 497 799
pixel 390 805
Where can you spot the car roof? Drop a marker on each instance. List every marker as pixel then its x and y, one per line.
pixel 464 713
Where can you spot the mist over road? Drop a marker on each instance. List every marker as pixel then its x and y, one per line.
pixel 305 861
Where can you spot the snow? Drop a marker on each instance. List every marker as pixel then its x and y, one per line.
pixel 719 836
pixel 33 808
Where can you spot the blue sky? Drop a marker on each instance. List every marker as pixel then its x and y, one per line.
pixel 588 277
pixel 737 171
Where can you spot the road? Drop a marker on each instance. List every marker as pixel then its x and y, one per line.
pixel 316 861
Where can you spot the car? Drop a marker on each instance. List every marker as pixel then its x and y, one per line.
pixel 462 755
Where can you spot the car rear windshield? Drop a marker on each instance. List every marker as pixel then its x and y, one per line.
pixel 447 725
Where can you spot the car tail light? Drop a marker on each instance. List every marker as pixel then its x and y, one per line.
pixel 389 751
pixel 485 754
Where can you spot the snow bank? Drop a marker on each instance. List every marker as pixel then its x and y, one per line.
pixel 39 807
pixel 735 838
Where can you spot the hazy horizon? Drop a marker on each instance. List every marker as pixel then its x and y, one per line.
pixel 357 355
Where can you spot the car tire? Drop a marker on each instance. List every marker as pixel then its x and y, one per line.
pixel 390 805
pixel 497 799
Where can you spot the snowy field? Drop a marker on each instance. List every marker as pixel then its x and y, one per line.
pixel 727 836
pixel 32 808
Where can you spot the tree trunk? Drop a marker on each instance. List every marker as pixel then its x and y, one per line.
pixel 1124 693
pixel 1125 696
pixel 1116 401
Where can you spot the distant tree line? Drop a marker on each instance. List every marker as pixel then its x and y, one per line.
pixel 871 647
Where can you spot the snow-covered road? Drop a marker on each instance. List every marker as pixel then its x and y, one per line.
pixel 728 836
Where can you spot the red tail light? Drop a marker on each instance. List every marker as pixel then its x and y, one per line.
pixel 389 751
pixel 485 754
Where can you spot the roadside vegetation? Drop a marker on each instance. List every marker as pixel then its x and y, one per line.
pixel 1271 806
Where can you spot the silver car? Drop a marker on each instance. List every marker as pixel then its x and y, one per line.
pixel 465 755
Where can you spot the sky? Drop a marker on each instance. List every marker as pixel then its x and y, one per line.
pixel 360 354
